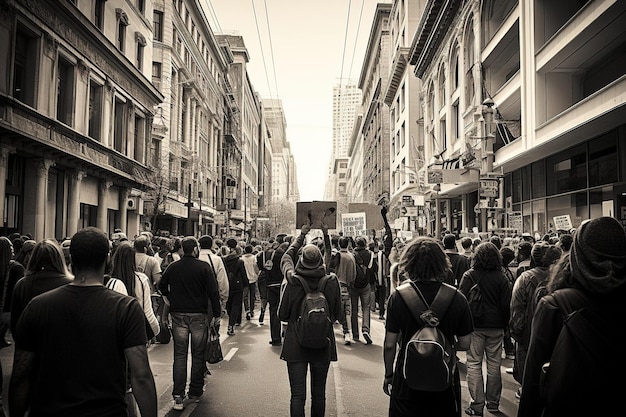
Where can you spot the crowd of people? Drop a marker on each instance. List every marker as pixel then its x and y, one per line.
pixel 110 297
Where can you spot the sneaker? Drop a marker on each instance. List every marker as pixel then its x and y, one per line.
pixel 231 331
pixel 473 412
pixel 510 356
pixel 178 403
pixel 275 342
pixel 347 339
pixel 509 371
pixel 247 316
pixel 195 398
pixel 492 408
pixel 518 393
pixel 367 337
pixel 261 316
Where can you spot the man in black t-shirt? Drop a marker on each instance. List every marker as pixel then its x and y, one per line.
pixel 75 342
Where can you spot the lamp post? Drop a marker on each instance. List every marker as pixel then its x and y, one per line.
pixel 488 160
pixel 200 231
pixel 189 205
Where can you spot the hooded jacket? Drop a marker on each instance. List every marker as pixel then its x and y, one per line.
pixel 236 271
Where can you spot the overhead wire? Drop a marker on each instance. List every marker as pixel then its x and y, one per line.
pixel 269 33
pixel 258 31
pixel 356 38
pixel 345 42
pixel 214 16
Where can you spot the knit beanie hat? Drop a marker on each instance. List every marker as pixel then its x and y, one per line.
pixel 544 254
pixel 310 257
pixel 598 255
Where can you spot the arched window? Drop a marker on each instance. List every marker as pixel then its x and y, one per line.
pixel 454 68
pixel 442 86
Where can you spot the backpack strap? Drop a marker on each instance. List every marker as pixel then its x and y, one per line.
pixel 414 299
pixel 307 288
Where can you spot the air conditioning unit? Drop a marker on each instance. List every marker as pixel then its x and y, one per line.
pixel 132 203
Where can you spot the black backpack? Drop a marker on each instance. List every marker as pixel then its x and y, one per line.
pixel 313 325
pixel 585 363
pixel 475 297
pixel 361 280
pixel 429 357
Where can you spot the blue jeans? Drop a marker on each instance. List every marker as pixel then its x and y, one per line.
pixel 297 382
pixel 485 343
pixel 184 324
pixel 364 295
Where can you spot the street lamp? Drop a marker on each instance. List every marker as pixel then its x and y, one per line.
pixel 487 166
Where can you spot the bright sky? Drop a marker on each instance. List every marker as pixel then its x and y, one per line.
pixel 299 50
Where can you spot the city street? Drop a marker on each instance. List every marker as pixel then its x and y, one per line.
pixel 252 380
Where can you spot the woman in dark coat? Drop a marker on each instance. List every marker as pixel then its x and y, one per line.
pixel 309 264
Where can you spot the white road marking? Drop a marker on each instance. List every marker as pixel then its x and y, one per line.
pixel 338 388
pixel 230 354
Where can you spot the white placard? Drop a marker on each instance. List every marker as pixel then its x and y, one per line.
pixel 563 222
pixel 353 224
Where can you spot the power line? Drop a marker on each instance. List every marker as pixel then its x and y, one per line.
pixel 261 45
pixel 214 16
pixel 269 32
pixel 356 39
pixel 345 41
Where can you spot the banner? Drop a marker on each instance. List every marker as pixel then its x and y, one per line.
pixel 353 224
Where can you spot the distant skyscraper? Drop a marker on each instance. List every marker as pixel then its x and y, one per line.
pixel 346 99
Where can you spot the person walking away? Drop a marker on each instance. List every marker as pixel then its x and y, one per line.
pixel 573 364
pixel 508 255
pixel 543 255
pixel 365 261
pixel 252 271
pixel 460 263
pixel 344 267
pixel 274 278
pixel 191 289
pixel 12 271
pixel 309 266
pixel 262 263
pixel 207 255
pixel 382 276
pixel 149 265
pixel 487 337
pixel 237 280
pixel 74 332
pixel 426 266
pixel 46 271
pixel 135 285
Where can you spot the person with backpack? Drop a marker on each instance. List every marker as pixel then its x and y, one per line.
pixel 573 364
pixel 361 289
pixel 542 256
pixel 344 266
pixel 441 311
pixel 237 280
pixel 309 337
pixel 489 294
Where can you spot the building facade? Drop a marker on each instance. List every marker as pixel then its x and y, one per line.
pixel 521 94
pixel 77 107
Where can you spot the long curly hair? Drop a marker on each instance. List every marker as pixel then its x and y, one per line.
pixel 423 259
pixel 487 257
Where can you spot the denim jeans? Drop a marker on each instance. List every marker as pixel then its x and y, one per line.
pixel 485 343
pixel 249 297
pixel 362 294
pixel 183 325
pixel 345 303
pixel 273 297
pixel 297 382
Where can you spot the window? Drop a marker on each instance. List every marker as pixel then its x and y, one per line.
pixel 25 65
pixel 603 165
pixel 141 6
pixel 98 18
pixel 95 110
pixel 455 121
pixel 122 22
pixel 567 171
pixel 156 70
pixel 157 23
pixel 140 41
pixel 119 132
pixel 156 152
pixel 65 91
pixel 140 138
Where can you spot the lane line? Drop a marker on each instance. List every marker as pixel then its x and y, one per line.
pixel 338 389
pixel 230 354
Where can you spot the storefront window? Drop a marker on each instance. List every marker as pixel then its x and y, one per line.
pixel 574 205
pixel 567 171
pixel 538 175
pixel 526 218
pixel 601 202
pixel 603 168
pixel 539 217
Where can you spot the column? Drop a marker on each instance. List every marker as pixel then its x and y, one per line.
pixel 73 210
pixel 41 197
pixel 192 135
pixel 103 193
pixel 4 160
pixel 124 192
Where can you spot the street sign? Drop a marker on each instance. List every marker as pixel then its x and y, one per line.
pixel 220 218
pixel 489 187
pixel 409 211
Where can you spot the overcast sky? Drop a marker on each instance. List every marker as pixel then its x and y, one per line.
pixel 299 50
